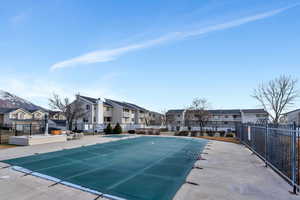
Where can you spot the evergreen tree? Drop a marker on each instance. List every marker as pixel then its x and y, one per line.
pixel 117 129
pixel 108 129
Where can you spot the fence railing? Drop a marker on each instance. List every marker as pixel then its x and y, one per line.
pixel 277 145
pixel 23 129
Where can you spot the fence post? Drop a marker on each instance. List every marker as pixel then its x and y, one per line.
pixel 266 144
pixel 293 157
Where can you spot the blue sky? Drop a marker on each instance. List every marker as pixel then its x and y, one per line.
pixel 159 54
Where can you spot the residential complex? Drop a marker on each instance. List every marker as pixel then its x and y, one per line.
pixel 217 119
pixel 101 112
pixel 292 117
pixel 10 116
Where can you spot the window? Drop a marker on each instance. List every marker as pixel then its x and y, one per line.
pixel 107 109
pixel 85 120
pixel 88 107
pixel 107 119
pixel 94 119
pixel 178 115
pixel 226 116
pixel 225 122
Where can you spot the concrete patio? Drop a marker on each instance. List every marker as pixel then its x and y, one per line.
pixel 230 172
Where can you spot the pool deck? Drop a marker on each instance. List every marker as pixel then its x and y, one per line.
pixel 231 172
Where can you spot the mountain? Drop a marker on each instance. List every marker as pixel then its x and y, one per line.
pixel 8 100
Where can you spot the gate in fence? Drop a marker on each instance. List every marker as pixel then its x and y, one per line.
pixel 277 145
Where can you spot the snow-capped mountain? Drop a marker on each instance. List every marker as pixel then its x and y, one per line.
pixel 8 100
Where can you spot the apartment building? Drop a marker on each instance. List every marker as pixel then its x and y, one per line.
pixel 101 112
pixel 292 117
pixel 12 116
pixel 217 119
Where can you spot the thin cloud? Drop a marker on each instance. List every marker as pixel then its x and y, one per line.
pixel 112 54
pixel 18 19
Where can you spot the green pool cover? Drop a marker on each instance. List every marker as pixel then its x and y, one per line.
pixel 142 168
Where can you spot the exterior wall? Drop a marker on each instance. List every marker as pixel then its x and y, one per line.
pixel 58 116
pixel 253 117
pixel 99 112
pixel 1 118
pixel 20 114
pixel 221 121
pixel 38 115
pixel 294 117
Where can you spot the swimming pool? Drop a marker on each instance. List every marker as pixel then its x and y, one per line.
pixel 142 168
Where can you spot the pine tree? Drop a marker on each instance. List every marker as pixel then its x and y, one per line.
pixel 117 129
pixel 108 129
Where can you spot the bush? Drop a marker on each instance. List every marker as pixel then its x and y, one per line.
pixel 210 133
pixel 229 135
pixel 131 131
pixel 117 129
pixel 157 132
pixel 194 133
pixel 222 133
pixel 182 133
pixel 140 132
pixel 108 129
pixel 163 130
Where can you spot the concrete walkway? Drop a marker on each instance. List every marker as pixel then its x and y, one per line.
pixel 230 172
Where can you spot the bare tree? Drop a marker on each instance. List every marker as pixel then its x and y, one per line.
pixel 164 117
pixel 198 113
pixel 276 96
pixel 72 111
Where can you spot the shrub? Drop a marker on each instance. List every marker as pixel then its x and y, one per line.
pixel 157 132
pixel 108 129
pixel 229 135
pixel 194 133
pixel 117 129
pixel 131 131
pixel 141 132
pixel 210 133
pixel 222 133
pixel 150 132
pixel 163 130
pixel 183 133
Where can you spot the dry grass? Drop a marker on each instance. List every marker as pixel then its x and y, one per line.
pixel 6 146
pixel 223 139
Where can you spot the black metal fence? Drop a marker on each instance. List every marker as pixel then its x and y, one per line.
pixel 276 145
pixel 22 129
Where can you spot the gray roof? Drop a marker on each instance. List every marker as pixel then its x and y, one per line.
pixel 297 110
pixel 229 112
pixel 127 105
pixel 7 110
pixel 254 111
pixel 175 111
pixel 94 100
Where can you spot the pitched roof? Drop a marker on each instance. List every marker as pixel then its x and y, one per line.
pixel 254 111
pixel 175 111
pixel 123 104
pixel 7 110
pixel 93 100
pixel 107 104
pixel 221 111
pixel 127 105
pixel 297 110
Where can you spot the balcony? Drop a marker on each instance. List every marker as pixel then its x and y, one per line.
pixel 126 114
